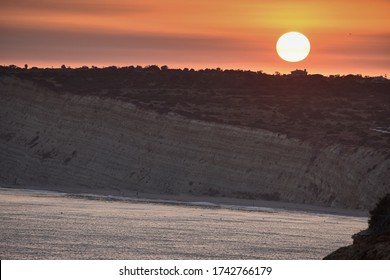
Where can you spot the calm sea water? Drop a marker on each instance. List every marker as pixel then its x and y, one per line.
pixel 38 225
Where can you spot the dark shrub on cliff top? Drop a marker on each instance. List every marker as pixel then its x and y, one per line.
pixel 380 215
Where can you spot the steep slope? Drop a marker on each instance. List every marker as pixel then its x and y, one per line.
pixel 92 144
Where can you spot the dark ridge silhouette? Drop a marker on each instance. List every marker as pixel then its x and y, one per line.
pixel 372 243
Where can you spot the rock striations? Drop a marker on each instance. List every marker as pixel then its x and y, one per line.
pixel 69 142
pixel 372 243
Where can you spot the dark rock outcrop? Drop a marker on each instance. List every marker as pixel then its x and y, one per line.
pixel 372 243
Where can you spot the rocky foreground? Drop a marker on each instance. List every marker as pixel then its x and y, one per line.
pixel 312 140
pixel 372 243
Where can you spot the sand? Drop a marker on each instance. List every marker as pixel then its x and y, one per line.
pixel 185 199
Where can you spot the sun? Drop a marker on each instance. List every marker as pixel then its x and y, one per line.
pixel 293 46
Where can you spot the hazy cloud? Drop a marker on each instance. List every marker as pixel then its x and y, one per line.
pixel 364 45
pixel 70 6
pixel 24 43
pixel 53 38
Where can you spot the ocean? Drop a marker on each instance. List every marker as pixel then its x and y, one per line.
pixel 49 225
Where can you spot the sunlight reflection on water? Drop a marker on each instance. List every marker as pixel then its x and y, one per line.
pixel 35 225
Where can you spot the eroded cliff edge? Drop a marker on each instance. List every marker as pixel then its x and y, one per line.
pixel 80 143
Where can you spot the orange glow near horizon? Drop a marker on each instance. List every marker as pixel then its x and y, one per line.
pixel 345 38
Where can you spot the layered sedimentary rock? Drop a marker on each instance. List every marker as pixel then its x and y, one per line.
pixel 79 143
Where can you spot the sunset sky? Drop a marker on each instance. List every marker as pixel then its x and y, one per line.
pixel 346 36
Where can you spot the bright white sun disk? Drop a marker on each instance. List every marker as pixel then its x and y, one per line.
pixel 293 46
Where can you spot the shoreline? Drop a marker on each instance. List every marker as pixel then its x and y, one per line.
pixel 192 201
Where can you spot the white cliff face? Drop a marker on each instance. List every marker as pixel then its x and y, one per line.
pixel 91 144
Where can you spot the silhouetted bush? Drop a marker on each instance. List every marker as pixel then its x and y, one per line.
pixel 380 215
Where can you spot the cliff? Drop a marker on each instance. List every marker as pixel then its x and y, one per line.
pixel 88 143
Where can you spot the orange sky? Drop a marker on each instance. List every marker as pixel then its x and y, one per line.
pixel 346 36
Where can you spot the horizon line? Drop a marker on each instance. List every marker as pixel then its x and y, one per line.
pixel 167 67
